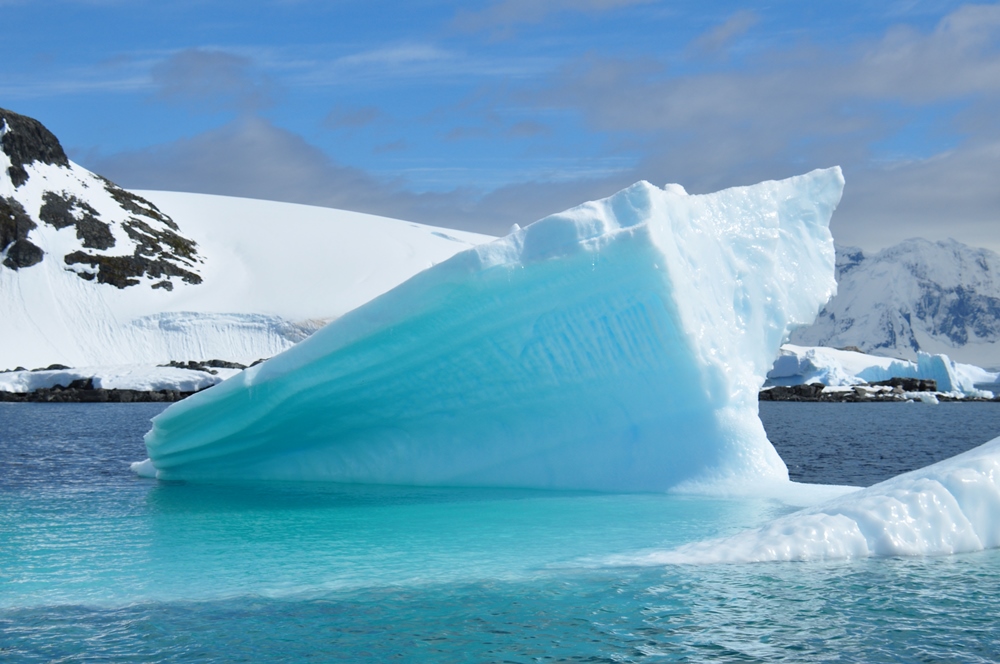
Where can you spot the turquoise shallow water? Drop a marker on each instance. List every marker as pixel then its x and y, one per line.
pixel 98 565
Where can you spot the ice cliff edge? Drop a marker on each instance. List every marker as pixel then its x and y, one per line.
pixel 618 345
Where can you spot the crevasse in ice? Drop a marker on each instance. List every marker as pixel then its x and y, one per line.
pixel 618 345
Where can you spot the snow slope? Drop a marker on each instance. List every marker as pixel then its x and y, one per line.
pixel 93 275
pixel 934 297
pixel 617 345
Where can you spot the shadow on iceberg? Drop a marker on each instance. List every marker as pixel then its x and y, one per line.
pixel 619 345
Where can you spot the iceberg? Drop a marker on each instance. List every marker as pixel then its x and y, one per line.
pixel 799 365
pixel 945 508
pixel 618 345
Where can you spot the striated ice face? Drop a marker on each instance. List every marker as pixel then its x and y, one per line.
pixel 618 345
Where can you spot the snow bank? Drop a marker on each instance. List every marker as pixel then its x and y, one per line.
pixel 619 345
pixel 948 507
pixel 128 377
pixel 800 365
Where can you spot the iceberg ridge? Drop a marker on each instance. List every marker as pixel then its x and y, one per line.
pixel 618 345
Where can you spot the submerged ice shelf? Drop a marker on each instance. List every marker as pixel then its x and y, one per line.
pixel 618 345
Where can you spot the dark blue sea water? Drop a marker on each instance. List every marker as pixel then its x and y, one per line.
pixel 99 565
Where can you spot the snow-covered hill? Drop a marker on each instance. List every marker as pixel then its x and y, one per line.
pixel 91 274
pixel 935 297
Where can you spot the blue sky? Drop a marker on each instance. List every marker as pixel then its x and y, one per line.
pixel 481 114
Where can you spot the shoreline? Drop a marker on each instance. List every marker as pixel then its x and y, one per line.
pixel 93 395
pixel 794 394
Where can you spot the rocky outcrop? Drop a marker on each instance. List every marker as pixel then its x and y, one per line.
pixel 15 224
pixel 87 393
pixel 208 366
pixel 62 210
pixel 26 141
pixel 903 389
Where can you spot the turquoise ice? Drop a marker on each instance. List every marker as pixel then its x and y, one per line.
pixel 618 345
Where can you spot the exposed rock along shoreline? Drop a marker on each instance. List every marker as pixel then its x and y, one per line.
pixel 896 390
pixel 78 394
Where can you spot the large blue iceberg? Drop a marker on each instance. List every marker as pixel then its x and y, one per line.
pixel 619 345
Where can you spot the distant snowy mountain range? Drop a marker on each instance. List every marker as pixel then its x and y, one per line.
pixel 935 297
pixel 92 274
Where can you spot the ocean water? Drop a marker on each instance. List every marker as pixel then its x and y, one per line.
pixel 99 565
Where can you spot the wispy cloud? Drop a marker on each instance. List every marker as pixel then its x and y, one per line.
pixel 213 79
pixel 722 35
pixel 501 18
pixel 424 63
pixel 351 118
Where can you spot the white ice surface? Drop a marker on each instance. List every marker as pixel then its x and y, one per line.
pixel 948 507
pixel 617 345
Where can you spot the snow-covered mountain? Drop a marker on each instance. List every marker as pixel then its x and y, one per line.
pixel 935 297
pixel 110 236
pixel 93 274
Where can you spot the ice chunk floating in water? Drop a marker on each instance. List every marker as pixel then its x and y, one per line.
pixel 618 345
pixel 947 507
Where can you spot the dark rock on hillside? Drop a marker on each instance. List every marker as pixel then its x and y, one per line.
pixel 124 271
pixel 15 224
pixel 27 141
pixel 158 252
pixel 207 366
pixel 23 254
pixel 63 210
pixel 137 204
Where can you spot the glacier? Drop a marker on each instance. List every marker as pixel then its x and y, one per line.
pixel 619 345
